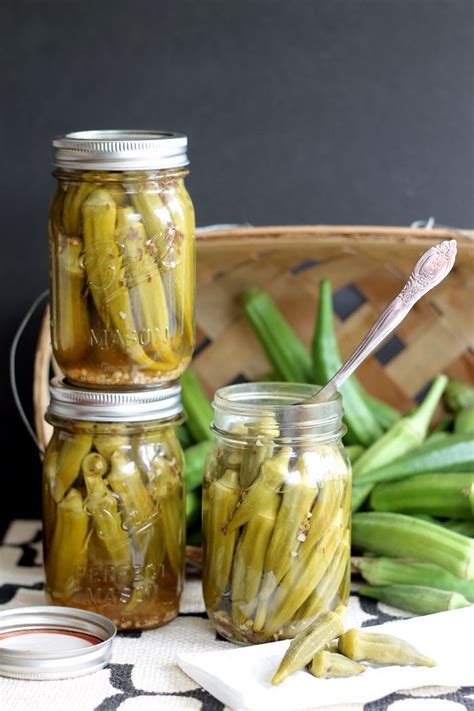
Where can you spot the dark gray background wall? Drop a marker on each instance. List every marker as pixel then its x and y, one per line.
pixel 297 111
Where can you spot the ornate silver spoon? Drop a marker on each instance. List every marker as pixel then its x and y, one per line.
pixel 431 268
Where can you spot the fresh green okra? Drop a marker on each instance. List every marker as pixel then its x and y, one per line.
pixel 362 426
pixel 466 528
pixel 71 453
pixel 459 395
pixel 331 665
pixel 195 458
pixel 453 453
pixel 416 598
pixel 442 495
pixel 385 415
pixel 390 571
pixel 381 649
pixel 354 452
pixel 464 422
pixel 402 536
pixel 199 413
pixel 325 627
pixel 402 437
pixel 286 353
pixel 67 554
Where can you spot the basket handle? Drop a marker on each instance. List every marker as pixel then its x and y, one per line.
pixel 13 351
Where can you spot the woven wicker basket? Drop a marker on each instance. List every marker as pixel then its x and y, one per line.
pixel 367 266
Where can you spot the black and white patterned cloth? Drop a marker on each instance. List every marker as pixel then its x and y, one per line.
pixel 143 674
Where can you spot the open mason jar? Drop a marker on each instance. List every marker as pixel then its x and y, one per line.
pixel 122 258
pixel 276 512
pixel 113 503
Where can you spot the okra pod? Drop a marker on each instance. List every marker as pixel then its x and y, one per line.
pixel 309 642
pixel 416 598
pixel 354 452
pixel 389 571
pixel 71 453
pixel 406 434
pixel 249 560
pixel 195 458
pixel 381 649
pixel 454 453
pixel 264 431
pixel 286 353
pixel 221 496
pixel 181 211
pixel 403 536
pixel 168 495
pixel 464 527
pixel 332 665
pixel 386 415
pixel 273 473
pixel 300 581
pixel 145 288
pixel 71 315
pixel 334 575
pixel 199 413
pixel 297 501
pixel 445 495
pixel 72 205
pixel 103 507
pixel 361 423
pixel 139 513
pixel 193 507
pixel 65 563
pixel 459 395
pixel 464 422
pixel 104 269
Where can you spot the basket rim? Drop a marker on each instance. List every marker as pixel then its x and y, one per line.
pixel 389 233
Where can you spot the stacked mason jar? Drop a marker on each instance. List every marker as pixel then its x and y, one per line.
pixel 122 273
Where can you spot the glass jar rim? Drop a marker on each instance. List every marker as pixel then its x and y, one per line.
pixel 249 402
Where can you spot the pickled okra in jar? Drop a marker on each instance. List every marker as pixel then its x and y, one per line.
pixel 113 505
pixel 276 512
pixel 122 261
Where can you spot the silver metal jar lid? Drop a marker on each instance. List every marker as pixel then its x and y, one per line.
pixel 69 402
pixel 120 150
pixel 49 642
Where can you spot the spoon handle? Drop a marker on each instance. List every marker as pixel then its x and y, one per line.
pixel 431 268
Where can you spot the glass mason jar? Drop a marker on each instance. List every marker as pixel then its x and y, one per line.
pixel 113 503
pixel 276 512
pixel 122 258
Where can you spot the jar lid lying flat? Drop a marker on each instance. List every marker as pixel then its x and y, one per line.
pixel 121 405
pixel 120 150
pixel 51 642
